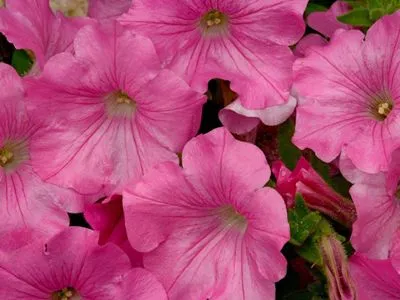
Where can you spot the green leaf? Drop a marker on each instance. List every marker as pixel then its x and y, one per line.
pixel 356 3
pixel 310 251
pixel 288 152
pixel 21 62
pixel 302 222
pixel 376 13
pixel 372 4
pixel 356 17
pixel 312 7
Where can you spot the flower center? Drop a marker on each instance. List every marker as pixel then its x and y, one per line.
pixel 2 3
pixel 231 217
pixel 381 106
pixel 67 293
pixel 214 22
pixel 119 104
pixel 70 8
pixel 13 154
pixel 6 157
pixel 397 194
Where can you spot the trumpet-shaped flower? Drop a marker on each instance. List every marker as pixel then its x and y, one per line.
pixel 115 112
pixel 349 96
pixel 245 42
pixel 210 229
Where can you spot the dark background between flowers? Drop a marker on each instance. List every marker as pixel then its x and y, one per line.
pixel 302 280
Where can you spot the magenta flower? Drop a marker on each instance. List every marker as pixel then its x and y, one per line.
pixel 349 96
pixel 124 113
pixel 395 251
pixel 377 201
pixel 107 217
pixel 98 9
pixel 326 22
pixel 238 119
pixel 303 47
pixel 340 283
pixel 210 230
pixel 316 192
pixel 71 266
pixel 31 25
pixel 26 201
pixel 240 41
pixel 374 279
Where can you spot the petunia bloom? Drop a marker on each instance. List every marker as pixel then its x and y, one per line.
pixel 395 251
pixel 98 9
pixel 72 266
pixel 240 120
pixel 326 22
pixel 31 25
pixel 348 96
pixel 107 217
pixel 25 200
pixel 374 279
pixel 340 283
pixel 115 112
pixel 310 40
pixel 316 192
pixel 377 201
pixel 240 41
pixel 210 230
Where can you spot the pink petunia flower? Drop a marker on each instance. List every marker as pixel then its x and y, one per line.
pixel 25 200
pixel 240 120
pixel 349 97
pixel 210 230
pixel 245 42
pixel 304 46
pixel 115 112
pixel 326 22
pixel 31 25
pixel 336 267
pixel 98 9
pixel 377 201
pixel 374 279
pixel 395 251
pixel 107 217
pixel 316 192
pixel 71 266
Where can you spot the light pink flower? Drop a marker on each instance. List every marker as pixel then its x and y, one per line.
pixel 98 9
pixel 374 279
pixel 71 265
pixel 377 202
pixel 326 22
pixel 349 96
pixel 210 229
pixel 31 25
pixel 240 41
pixel 340 283
pixel 238 119
pixel 316 192
pixel 303 47
pixel 107 217
pixel 115 111
pixel 395 251
pixel 25 200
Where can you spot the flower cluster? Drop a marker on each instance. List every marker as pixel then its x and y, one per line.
pixel 104 117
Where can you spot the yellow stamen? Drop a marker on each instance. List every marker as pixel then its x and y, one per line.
pixel 6 156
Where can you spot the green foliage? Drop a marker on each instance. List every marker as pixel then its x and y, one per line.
pixel 306 230
pixel 21 62
pixel 288 152
pixel 302 222
pixel 313 7
pixel 367 12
